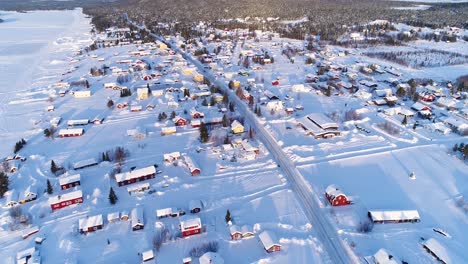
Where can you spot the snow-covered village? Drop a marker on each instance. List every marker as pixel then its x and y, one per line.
pixel 135 143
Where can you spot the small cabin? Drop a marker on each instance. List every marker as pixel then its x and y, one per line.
pixel 235 232
pixel 335 196
pixel 269 242
pixel 137 219
pixel 190 226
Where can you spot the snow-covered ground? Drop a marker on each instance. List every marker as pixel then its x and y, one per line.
pixel 34 51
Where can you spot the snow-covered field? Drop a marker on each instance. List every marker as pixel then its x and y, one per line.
pixel 34 50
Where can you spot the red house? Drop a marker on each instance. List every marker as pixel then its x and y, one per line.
pixel 90 224
pixel 193 168
pixel 135 176
pixel 67 199
pixel 179 121
pixel 335 196
pixel 190 226
pixel 235 232
pixel 196 114
pixel 427 97
pixel 268 241
pixel 275 82
pixel 147 77
pixel 67 182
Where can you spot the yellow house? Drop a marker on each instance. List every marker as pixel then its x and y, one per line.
pixel 198 77
pixel 162 46
pixel 237 127
pixel 236 84
pixel 142 93
pixel 187 71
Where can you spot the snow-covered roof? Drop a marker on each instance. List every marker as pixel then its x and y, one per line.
pixel 92 221
pixel 383 257
pixel 120 177
pixel 234 229
pixel 172 155
pixel 69 179
pixel 191 164
pixel 334 191
pixel 164 212
pixel 419 106
pixel 394 215
pixel 211 258
pixel 236 124
pixel 113 216
pixel 195 204
pixel 137 216
pixel 147 255
pixel 437 249
pixel 84 163
pixel 70 131
pixel 66 197
pixel 245 229
pixel 322 120
pixel 77 122
pixel 25 253
pixel 169 129
pixel 189 222
pixel 268 239
pixel 138 187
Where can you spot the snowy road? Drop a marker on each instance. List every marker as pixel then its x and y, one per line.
pixel 337 251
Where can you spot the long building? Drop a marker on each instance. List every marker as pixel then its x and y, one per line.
pixel 135 175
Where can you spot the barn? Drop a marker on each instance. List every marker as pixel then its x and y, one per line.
pixel 137 219
pixel 190 226
pixel 73 132
pixel 135 175
pixel 268 241
pixel 67 199
pixel 335 196
pixel 90 224
pixel 28 195
pixel 69 181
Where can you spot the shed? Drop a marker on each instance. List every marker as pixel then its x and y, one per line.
pixel 113 217
pixel 146 256
pixel 235 232
pixel 190 225
pixel 437 250
pixel 335 196
pixel 195 206
pixel 392 216
pixel 137 219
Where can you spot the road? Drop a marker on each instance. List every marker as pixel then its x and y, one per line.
pixel 327 234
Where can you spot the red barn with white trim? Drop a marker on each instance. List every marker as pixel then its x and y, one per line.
pixel 190 226
pixel 67 182
pixel 335 196
pixel 64 200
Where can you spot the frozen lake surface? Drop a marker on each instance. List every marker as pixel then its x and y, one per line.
pixel 33 49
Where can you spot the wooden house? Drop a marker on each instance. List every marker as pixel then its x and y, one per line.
pixel 82 94
pixel 193 168
pixel 113 217
pixel 69 181
pixel 168 130
pixel 124 216
pixel 237 127
pixel 135 175
pixel 90 224
pixel 71 132
pixel 171 157
pixel 147 257
pixel 190 226
pixel 64 200
pixel 137 219
pixel 335 196
pixel 393 216
pixel 179 121
pixel 82 164
pixel 28 195
pixel 269 242
pixel 247 231
pixel 235 232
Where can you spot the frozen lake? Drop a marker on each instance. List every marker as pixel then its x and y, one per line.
pixel 34 47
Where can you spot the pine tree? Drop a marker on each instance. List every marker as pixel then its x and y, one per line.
pixel 112 196
pixel 228 216
pixel 110 104
pixel 225 98
pixel 231 107
pixel 455 147
pixel 225 121
pixel 47 132
pixel 53 167
pixel 50 190
pixel 173 114
pixel 212 101
pixel 23 142
pixel 405 121
pixel 204 102
pixel 160 117
pixel 204 136
pixel 4 182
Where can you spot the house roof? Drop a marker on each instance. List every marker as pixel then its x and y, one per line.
pixel 268 239
pixel 383 257
pixel 137 216
pixel 334 191
pixel 84 163
pixel 92 221
pixel 438 249
pixel 113 216
pixel 245 229
pixel 147 255
pixel 234 229
pixel 190 164
pixel 164 212
pixel 236 124
pixel 65 197
pixel 189 222
pixel 394 215
pixel 120 177
pixel 322 120
pixel 69 179
pixel 172 155
pixel 195 204
pixel 71 131
pixel 211 258
pixel 419 106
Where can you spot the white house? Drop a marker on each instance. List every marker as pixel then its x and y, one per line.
pixel 82 94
